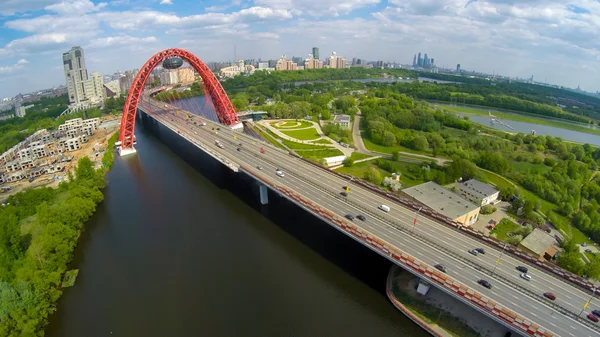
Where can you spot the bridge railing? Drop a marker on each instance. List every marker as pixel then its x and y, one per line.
pixel 548 267
pixel 423 270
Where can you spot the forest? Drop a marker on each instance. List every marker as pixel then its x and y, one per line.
pixel 584 104
pixel 533 99
pixel 39 229
pixel 274 78
pixel 499 96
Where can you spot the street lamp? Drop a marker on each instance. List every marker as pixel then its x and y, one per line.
pixel 499 258
pixel 588 302
pixel 415 220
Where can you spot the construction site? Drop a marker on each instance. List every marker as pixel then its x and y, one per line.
pixel 45 157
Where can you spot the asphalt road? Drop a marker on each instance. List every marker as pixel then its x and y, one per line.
pixel 433 243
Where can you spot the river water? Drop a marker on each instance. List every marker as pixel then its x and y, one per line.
pixel 540 130
pixel 183 248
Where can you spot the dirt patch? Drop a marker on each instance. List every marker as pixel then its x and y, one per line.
pixel 95 153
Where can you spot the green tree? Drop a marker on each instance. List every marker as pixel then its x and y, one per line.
pixel 373 176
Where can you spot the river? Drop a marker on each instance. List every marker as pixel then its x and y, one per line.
pixel 183 248
pixel 540 130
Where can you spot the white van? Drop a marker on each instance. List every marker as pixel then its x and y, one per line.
pixel 384 208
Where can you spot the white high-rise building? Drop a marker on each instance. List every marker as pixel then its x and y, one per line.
pixel 83 91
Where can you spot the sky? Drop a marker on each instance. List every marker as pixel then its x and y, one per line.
pixel 557 41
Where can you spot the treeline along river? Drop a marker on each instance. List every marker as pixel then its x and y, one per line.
pixel 182 247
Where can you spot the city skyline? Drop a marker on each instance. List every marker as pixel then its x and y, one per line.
pixel 513 40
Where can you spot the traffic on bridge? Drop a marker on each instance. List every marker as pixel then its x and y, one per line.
pixel 540 305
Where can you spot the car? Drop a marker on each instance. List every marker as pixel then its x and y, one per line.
pixel 485 284
pixel 596 312
pixel 259 167
pixel 525 277
pixel 350 217
pixel 480 250
pixel 588 250
pixel 361 217
pixel 474 252
pixel 344 187
pixel 279 172
pixel 344 194
pixel 440 267
pixel 522 269
pixel 239 149
pixel 550 295
pixel 240 144
pixel 593 317
pixel 584 244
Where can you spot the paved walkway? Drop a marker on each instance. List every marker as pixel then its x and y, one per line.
pixel 267 124
pixel 357 138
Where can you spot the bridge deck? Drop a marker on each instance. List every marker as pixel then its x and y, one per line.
pixel 318 190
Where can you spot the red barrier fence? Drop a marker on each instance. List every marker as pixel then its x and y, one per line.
pixel 425 271
pixel 574 279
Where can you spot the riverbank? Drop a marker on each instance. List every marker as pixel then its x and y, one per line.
pixel 517 116
pixel 437 313
pixel 47 222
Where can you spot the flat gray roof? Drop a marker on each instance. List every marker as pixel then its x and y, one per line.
pixel 441 200
pixel 341 119
pixel 537 241
pixel 478 188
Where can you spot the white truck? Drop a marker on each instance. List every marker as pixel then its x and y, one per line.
pixel 384 208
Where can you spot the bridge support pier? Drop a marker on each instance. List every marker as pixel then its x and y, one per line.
pixel 264 194
pixel 125 152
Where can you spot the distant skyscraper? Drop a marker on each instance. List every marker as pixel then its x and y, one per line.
pixel 415 60
pixel 458 68
pixel 82 90
pixel 315 52
pixel 419 60
pixel 432 63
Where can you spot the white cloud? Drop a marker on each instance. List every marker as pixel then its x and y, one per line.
pixel 318 8
pixel 548 38
pixel 11 7
pixel 12 68
pixel 75 7
pixel 166 2
pixel 123 40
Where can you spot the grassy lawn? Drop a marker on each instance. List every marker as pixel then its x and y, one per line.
pixel 302 146
pixel 358 170
pixel 520 117
pixel 406 179
pixel 291 124
pixel 504 227
pixel 522 166
pixel 269 138
pixel 358 156
pixel 320 153
pixel 322 141
pixel 390 149
pixel 306 134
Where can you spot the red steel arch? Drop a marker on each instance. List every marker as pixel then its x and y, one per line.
pixel 223 107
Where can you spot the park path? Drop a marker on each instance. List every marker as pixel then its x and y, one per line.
pixel 347 151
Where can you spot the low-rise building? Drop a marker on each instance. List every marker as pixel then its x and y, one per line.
pixel 540 244
pixel 75 143
pixel 478 192
pixel 444 202
pixel 342 120
pixel 13 166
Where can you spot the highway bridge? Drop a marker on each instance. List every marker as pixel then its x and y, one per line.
pixel 512 301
